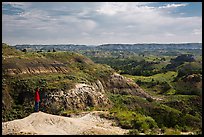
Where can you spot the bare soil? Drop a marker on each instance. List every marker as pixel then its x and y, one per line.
pixel 41 123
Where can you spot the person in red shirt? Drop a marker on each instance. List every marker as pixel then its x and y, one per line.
pixel 37 100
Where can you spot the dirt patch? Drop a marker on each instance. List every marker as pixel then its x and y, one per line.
pixel 41 123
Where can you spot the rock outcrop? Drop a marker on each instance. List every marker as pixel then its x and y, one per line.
pixel 84 96
pixel 38 69
pixel 118 84
pixel 81 97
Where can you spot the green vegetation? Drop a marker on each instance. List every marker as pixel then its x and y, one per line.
pixel 172 76
pixel 189 68
pixel 132 66
pixel 18 90
pixel 156 84
pixel 143 116
pixel 174 82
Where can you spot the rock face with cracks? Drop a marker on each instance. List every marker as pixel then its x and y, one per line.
pixel 80 97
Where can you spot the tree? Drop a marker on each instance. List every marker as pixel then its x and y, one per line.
pixel 24 50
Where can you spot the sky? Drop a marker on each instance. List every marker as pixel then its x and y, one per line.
pixel 95 23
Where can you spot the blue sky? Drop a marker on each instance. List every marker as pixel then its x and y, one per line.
pixel 95 23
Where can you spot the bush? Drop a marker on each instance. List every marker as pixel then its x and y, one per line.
pixel 185 129
pixel 190 121
pixel 139 82
pixel 24 50
pixel 132 120
pixel 150 99
pixel 171 131
pixel 189 68
pixel 133 132
pixel 166 116
pixel 143 123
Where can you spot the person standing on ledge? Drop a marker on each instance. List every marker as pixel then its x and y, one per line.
pixel 37 100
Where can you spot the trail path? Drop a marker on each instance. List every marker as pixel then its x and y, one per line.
pixel 41 123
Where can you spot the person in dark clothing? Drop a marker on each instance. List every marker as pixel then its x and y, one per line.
pixel 37 100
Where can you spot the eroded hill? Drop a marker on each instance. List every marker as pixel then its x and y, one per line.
pixel 67 81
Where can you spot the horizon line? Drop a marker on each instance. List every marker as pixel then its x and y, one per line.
pixel 107 43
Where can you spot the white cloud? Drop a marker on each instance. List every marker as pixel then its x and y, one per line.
pixel 197 31
pixel 15 3
pixel 22 5
pixel 173 5
pixel 85 34
pixel 96 23
pixel 85 25
pixel 107 33
pixel 169 34
pixel 111 8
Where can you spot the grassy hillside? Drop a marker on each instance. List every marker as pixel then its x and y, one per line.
pixel 172 110
pixel 157 84
pixel 58 71
pixel 173 77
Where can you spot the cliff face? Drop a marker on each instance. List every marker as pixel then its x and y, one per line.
pixel 38 69
pixel 81 97
pixel 118 84
pixel 84 96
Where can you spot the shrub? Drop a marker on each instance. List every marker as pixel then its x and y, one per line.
pixel 166 116
pixel 190 120
pixel 150 99
pixel 133 132
pixel 170 131
pixel 24 50
pixel 185 129
pixel 189 68
pixel 143 123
